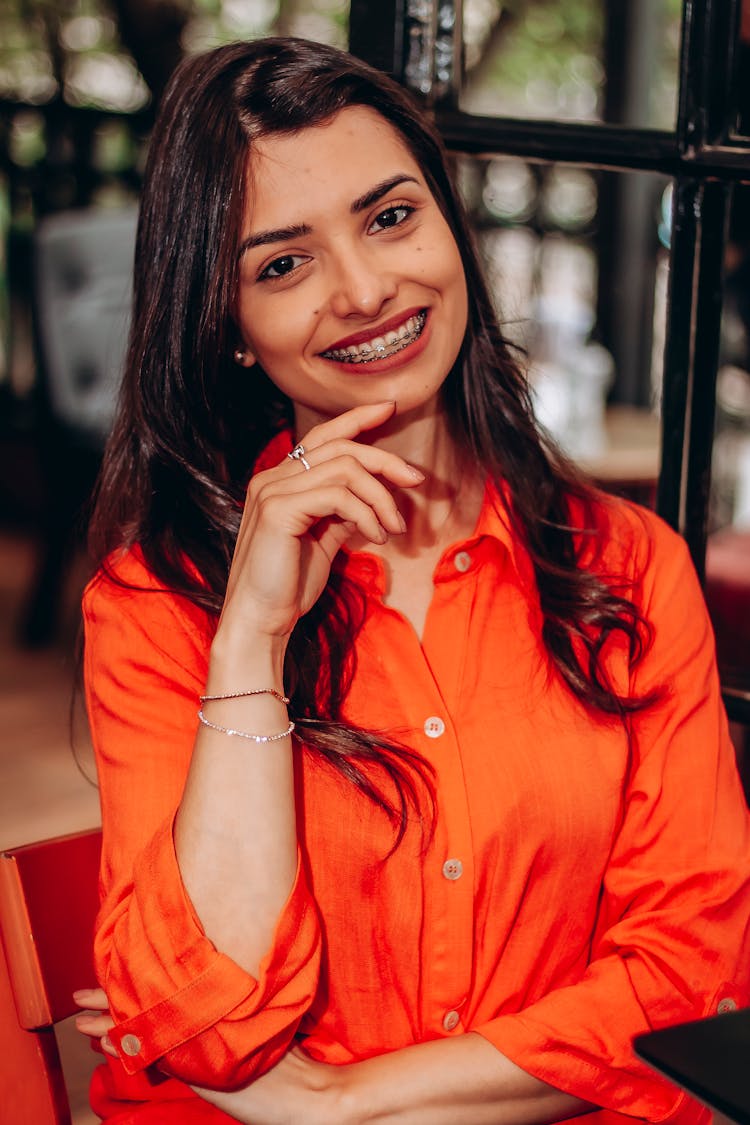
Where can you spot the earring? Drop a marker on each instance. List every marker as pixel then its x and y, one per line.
pixel 239 356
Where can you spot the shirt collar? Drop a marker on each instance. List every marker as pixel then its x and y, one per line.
pixel 275 451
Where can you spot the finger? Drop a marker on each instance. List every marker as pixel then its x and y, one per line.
pixel 379 462
pixel 91 998
pixel 341 503
pixel 349 424
pixel 108 1047
pixel 95 1025
pixel 343 489
pixel 346 472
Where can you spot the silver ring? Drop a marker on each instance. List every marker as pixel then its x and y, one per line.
pixel 298 454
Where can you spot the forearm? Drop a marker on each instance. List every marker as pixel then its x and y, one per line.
pixel 235 833
pixel 438 1083
pixel 463 1079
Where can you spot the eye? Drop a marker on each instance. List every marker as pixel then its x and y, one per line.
pixel 391 217
pixel 281 267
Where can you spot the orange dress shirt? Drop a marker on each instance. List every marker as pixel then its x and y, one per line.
pixel 586 882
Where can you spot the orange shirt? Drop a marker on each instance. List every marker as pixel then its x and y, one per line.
pixel 582 885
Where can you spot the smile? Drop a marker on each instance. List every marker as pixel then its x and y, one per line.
pixel 381 347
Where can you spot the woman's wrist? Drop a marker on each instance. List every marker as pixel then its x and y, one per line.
pixel 245 663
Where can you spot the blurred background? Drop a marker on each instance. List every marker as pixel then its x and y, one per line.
pixel 603 149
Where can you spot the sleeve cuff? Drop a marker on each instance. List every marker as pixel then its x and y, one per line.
pixel 584 1070
pixel 195 987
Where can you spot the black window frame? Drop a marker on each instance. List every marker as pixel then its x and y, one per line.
pixel 704 158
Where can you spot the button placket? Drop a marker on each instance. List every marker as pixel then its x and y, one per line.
pixel 434 726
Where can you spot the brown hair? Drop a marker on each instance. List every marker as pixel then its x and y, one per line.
pixel 189 427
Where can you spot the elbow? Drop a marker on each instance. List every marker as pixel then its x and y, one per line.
pixel 213 1065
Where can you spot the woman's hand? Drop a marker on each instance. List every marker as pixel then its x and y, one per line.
pixel 296 520
pixel 97 1022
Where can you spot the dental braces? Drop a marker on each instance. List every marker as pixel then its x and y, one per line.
pixel 384 350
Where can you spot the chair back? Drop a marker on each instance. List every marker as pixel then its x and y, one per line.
pixel 48 903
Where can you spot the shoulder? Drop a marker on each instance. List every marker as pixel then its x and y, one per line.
pixel 619 538
pixel 644 560
pixel 127 607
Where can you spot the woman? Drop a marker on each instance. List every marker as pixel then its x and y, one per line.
pixel 501 832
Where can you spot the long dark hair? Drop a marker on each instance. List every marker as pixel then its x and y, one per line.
pixel 191 424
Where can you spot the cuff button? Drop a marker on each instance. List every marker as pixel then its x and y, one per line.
pixel 130 1045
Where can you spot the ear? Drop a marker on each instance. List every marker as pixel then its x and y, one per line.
pixel 243 357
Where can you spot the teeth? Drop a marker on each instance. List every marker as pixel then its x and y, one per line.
pixel 380 347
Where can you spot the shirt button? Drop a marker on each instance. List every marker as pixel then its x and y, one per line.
pixel 450 1020
pixel 131 1045
pixel 434 726
pixel 453 869
pixel 726 1005
pixel 462 561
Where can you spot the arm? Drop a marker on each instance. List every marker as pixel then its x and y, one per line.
pixel 169 986
pixel 246 944
pixel 438 1083
pixel 671 939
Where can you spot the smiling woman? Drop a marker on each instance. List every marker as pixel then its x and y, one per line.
pixel 418 800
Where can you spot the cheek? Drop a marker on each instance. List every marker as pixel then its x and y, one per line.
pixel 273 329
pixel 441 260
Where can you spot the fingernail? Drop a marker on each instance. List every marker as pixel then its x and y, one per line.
pixel 416 473
pixel 402 522
pixel 81 995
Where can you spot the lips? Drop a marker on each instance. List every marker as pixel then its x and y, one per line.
pixel 380 343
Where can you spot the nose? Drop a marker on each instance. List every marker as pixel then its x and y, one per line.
pixel 360 285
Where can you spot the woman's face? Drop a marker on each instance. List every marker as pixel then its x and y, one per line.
pixel 352 288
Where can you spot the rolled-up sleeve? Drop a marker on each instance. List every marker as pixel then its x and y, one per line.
pixel 672 937
pixel 177 1001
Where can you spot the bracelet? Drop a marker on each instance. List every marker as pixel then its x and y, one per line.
pixel 245 734
pixel 243 694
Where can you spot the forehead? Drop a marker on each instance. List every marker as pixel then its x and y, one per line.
pixel 332 163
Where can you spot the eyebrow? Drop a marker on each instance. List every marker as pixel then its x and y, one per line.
pixel 299 230
pixel 381 189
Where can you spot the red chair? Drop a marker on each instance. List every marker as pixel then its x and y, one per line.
pixel 48 903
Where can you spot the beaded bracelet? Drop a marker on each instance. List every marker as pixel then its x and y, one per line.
pixel 243 733
pixel 244 694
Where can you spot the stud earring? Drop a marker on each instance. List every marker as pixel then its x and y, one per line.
pixel 239 356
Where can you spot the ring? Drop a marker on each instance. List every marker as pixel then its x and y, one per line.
pixel 298 454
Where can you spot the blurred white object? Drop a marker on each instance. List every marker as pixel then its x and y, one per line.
pixel 570 378
pixel 590 373
pixel 83 274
